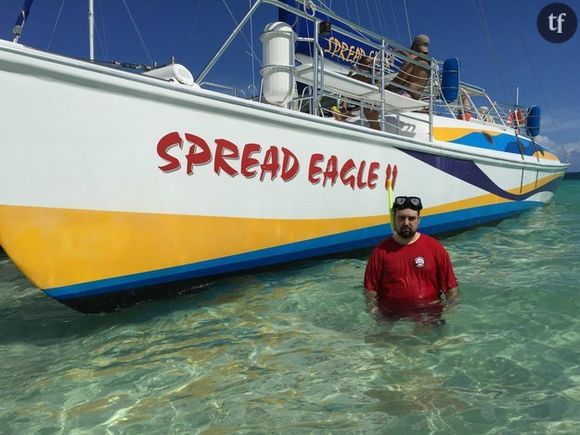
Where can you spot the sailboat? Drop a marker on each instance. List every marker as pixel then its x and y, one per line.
pixel 100 209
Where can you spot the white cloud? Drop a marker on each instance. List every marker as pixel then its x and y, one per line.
pixel 559 125
pixel 546 141
pixel 560 120
pixel 573 147
pixel 573 154
pixel 569 151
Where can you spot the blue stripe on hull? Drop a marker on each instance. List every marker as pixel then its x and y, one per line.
pixel 343 242
pixel 504 142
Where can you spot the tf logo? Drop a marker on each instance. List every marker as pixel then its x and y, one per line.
pixel 557 22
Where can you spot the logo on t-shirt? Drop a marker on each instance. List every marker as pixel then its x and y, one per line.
pixel 419 262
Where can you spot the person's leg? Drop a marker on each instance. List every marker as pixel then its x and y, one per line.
pixel 372 117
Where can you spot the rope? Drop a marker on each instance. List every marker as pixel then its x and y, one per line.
pixel 310 6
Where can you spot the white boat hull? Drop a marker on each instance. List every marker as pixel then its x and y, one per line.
pixel 98 196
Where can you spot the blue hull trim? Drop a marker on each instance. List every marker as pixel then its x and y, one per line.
pixel 352 240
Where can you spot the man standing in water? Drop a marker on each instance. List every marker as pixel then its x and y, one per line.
pixel 408 273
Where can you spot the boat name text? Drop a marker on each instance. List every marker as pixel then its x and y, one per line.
pixel 252 160
pixel 347 53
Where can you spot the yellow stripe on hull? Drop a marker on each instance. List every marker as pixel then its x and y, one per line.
pixel 449 134
pixel 546 155
pixel 526 188
pixel 59 247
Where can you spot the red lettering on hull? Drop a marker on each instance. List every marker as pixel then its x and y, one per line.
pixel 250 160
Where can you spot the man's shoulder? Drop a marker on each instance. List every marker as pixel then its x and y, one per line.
pixel 387 243
pixel 430 240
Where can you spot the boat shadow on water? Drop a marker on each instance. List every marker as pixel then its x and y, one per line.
pixel 27 315
pixel 31 317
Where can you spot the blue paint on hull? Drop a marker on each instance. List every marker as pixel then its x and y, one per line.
pixel 348 241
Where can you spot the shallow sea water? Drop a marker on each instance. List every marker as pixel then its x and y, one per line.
pixel 294 351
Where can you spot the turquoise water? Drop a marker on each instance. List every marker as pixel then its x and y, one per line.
pixel 294 351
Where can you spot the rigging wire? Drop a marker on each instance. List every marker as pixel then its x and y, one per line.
pixel 252 47
pixel 545 100
pixel 357 14
pixel 194 22
pixel 99 40
pixel 381 19
pixel 104 46
pixel 408 24
pixel 349 16
pixel 395 20
pixel 371 17
pixel 138 33
pixel 481 14
pixel 55 25
pixel 252 53
pixel 357 31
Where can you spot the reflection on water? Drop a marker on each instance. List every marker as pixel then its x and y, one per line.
pixel 295 350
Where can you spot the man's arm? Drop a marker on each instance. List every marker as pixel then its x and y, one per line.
pixel 371 281
pixel 402 78
pixel 372 301
pixel 446 276
pixel 452 295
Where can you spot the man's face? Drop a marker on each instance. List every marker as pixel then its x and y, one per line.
pixel 406 222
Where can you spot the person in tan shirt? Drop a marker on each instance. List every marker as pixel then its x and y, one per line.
pixel 412 78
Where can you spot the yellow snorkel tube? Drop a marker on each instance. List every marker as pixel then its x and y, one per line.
pixel 390 185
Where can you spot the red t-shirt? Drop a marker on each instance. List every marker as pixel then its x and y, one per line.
pixel 409 275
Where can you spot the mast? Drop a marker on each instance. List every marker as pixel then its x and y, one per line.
pixel 91 30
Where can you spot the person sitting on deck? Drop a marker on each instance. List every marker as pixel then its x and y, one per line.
pixel 412 78
pixel 364 73
pixel 465 108
pixel 484 114
pixel 361 71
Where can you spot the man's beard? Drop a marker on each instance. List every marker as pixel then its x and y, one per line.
pixel 406 232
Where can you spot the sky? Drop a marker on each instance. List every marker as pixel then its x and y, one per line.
pixel 497 42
